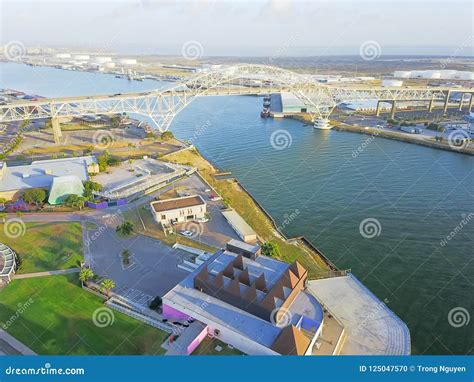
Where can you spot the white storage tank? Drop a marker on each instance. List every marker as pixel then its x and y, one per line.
pixel 431 74
pixel 110 64
pixel 63 55
pixel 81 57
pixel 128 61
pixel 103 59
pixel 468 76
pixel 416 74
pixel 448 74
pixel 401 74
pixel 392 82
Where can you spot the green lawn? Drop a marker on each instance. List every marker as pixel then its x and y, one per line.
pixel 58 320
pixel 47 246
pixel 208 347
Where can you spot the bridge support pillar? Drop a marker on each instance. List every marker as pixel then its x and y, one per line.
pixel 377 111
pixel 471 101
pixel 56 130
pixel 392 110
pixel 461 101
pixel 430 106
pixel 446 99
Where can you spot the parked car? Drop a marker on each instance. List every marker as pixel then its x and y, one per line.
pixel 214 197
pixel 202 220
pixel 186 233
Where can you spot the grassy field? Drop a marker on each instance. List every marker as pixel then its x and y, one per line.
pixel 56 318
pixel 246 207
pixel 47 246
pixel 208 347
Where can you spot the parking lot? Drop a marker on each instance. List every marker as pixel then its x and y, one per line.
pixel 152 271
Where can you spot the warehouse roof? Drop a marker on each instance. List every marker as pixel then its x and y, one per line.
pixel 40 174
pixel 238 223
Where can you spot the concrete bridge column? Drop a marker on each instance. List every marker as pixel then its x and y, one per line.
pixel 446 99
pixel 56 130
pixel 461 101
pixel 471 101
pixel 392 110
pixel 430 107
pixel 377 111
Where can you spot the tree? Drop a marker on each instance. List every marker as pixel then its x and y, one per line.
pixel 126 256
pixel 89 187
pixel 125 229
pixel 107 285
pixel 166 135
pixel 75 201
pixel 85 275
pixel 115 121
pixel 271 249
pixel 34 195
pixel 3 216
pixel 102 161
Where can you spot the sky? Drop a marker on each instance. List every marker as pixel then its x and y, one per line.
pixel 243 28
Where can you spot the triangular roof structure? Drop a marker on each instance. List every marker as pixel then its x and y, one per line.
pixel 291 341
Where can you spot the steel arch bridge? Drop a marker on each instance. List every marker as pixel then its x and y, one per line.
pixel 162 105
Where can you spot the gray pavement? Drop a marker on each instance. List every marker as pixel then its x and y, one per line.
pixel 11 346
pixel 153 268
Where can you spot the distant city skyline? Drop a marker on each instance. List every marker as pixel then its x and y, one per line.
pixel 243 28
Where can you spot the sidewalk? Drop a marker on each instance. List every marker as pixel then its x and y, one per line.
pixel 48 273
pixel 9 345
